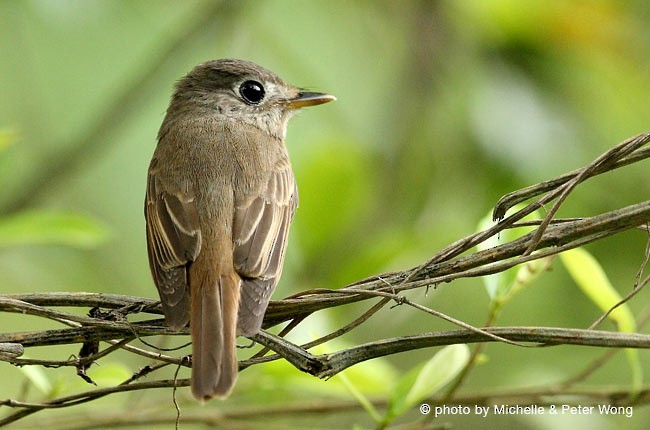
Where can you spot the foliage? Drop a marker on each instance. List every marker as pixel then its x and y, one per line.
pixel 443 106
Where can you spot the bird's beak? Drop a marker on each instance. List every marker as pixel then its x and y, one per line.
pixel 308 99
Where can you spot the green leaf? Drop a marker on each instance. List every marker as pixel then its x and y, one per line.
pixel 590 277
pixel 421 383
pixel 51 227
pixel 592 280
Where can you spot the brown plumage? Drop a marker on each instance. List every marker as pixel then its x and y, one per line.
pixel 220 198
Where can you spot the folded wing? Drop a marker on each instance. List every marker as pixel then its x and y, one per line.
pixel 173 241
pixel 260 231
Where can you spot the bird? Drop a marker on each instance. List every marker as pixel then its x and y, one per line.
pixel 220 198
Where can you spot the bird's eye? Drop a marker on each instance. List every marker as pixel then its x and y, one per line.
pixel 252 92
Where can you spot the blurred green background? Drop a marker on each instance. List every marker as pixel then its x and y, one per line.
pixel 443 106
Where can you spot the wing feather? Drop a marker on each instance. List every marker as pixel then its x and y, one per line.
pixel 173 241
pixel 260 232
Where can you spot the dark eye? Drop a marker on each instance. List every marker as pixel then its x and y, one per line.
pixel 252 92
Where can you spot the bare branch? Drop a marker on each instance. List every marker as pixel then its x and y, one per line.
pixel 110 319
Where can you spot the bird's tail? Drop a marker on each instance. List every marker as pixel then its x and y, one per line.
pixel 213 325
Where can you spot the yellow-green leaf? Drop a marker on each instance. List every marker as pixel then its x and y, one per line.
pixel 421 383
pixel 593 282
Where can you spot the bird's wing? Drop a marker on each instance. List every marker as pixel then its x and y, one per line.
pixel 260 231
pixel 173 241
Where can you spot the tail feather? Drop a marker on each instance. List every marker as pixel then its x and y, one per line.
pixel 213 327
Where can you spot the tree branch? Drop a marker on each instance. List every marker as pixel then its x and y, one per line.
pixel 457 260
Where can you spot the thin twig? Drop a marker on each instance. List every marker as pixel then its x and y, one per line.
pixel 453 262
